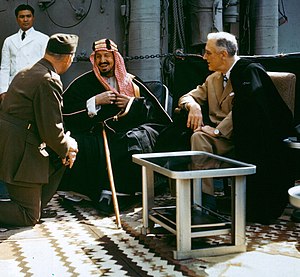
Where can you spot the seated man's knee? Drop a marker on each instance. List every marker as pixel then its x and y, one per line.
pixel 199 142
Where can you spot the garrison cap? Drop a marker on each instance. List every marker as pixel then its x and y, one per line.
pixel 62 43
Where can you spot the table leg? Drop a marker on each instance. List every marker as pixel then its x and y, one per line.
pixel 148 196
pixel 239 211
pixel 183 214
pixel 197 191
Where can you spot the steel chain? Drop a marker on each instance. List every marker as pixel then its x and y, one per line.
pixel 148 57
pixel 178 53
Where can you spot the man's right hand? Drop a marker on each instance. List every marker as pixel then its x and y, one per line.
pixel 106 98
pixel 195 118
pixel 72 152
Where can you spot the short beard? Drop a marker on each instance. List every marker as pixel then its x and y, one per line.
pixel 105 74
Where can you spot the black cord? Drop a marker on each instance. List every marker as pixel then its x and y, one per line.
pixel 70 26
pixel 283 10
pixel 74 9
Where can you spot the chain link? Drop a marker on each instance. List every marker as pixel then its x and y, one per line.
pixel 178 53
pixel 148 57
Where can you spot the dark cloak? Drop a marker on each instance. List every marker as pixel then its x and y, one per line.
pixel 136 132
pixel 261 121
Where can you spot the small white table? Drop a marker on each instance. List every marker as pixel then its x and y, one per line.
pixel 188 168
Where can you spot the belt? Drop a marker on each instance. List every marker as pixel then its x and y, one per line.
pixel 26 124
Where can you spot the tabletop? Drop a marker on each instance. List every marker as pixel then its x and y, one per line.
pixel 193 164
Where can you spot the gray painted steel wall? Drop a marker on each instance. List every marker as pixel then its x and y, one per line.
pixel 288 33
pixel 105 20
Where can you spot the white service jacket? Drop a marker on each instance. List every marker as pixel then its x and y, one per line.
pixel 18 54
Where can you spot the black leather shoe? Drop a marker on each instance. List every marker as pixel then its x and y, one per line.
pixel 105 205
pixel 46 213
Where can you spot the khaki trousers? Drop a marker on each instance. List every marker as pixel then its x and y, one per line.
pixel 201 141
pixel 28 200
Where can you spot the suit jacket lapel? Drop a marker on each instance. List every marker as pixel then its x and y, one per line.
pixel 29 38
pixel 19 43
pixel 219 88
pixel 16 41
pixel 227 90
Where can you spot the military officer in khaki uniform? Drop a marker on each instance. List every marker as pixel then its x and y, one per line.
pixel 33 144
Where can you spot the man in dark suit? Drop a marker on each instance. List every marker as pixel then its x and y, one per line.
pixel 34 146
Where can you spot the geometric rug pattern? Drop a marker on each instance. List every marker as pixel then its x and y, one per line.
pixel 281 238
pixel 82 242
pixel 78 242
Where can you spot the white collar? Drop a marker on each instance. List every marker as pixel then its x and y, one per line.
pixel 236 58
pixel 27 32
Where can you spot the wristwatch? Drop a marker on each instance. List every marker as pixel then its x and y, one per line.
pixel 216 132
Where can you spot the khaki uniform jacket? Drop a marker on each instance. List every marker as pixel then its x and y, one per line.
pixel 34 97
pixel 219 101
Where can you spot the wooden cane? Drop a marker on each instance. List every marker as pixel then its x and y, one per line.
pixel 111 178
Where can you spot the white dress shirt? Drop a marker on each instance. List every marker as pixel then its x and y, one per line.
pixel 92 108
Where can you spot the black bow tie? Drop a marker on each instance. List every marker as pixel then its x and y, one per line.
pixel 23 35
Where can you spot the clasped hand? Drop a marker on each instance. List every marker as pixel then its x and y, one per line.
pixel 109 97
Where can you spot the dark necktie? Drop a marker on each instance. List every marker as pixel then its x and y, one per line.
pixel 225 79
pixel 23 35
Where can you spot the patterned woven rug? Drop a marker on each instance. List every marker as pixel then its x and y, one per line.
pixel 81 242
pixel 280 238
pixel 78 242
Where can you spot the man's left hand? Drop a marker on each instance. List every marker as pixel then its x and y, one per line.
pixel 122 101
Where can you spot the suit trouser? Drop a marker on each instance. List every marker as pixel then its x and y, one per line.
pixel 28 200
pixel 201 141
